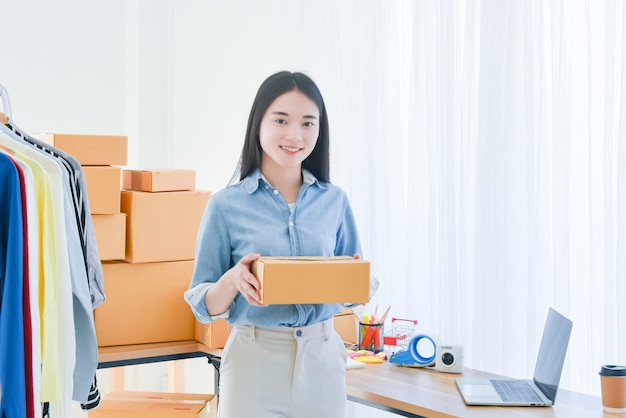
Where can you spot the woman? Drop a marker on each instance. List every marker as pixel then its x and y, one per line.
pixel 279 360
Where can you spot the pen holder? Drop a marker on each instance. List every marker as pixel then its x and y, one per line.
pixel 371 337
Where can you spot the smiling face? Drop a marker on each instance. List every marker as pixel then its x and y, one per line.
pixel 288 132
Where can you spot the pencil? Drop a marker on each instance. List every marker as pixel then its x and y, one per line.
pixel 382 318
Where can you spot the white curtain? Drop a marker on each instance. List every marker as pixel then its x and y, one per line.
pixel 483 146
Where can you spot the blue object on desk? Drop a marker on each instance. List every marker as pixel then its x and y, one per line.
pixel 412 357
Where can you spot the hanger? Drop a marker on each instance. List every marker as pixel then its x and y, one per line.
pixel 6 150
pixel 7 117
pixel 6 105
pixel 7 120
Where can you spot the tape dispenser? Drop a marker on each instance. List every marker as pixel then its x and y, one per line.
pixel 420 352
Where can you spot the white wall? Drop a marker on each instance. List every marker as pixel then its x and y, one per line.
pixel 177 77
pixel 63 64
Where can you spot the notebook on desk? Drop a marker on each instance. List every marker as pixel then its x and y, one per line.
pixel 542 388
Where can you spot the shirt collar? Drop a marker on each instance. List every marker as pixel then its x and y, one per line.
pixel 252 182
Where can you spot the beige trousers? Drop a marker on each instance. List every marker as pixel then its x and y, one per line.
pixel 283 372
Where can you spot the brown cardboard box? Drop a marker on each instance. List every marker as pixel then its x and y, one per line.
pixel 162 226
pixel 110 231
pixel 312 279
pixel 345 311
pixel 346 327
pixel 214 334
pixel 103 189
pixel 130 404
pixel 161 180
pixel 144 303
pixel 91 149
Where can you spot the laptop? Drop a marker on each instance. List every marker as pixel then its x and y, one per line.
pixel 538 391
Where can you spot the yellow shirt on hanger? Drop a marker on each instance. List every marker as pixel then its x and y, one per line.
pixel 47 275
pixel 57 322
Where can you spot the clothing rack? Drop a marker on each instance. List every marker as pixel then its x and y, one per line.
pixel 80 297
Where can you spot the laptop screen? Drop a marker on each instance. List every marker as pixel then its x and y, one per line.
pixel 552 353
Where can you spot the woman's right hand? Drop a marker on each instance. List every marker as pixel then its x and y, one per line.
pixel 244 281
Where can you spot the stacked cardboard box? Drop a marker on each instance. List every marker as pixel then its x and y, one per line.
pixel 145 303
pixel 164 210
pixel 145 291
pixel 162 180
pixel 346 326
pixel 131 404
pixel 214 334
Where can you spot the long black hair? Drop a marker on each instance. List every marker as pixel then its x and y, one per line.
pixel 318 163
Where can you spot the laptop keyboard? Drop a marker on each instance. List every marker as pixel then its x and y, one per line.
pixel 515 391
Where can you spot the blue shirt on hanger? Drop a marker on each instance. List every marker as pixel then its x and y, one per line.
pixel 12 360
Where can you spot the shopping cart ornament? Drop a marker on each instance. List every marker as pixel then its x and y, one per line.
pixel 402 330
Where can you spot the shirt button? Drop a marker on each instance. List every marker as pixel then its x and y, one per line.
pixel 298 333
pixel 290 223
pixel 267 187
pixel 275 191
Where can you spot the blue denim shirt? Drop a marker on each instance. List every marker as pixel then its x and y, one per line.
pixel 253 217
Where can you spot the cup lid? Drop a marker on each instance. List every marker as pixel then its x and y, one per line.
pixel 611 370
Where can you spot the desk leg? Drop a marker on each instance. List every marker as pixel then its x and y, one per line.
pixel 216 362
pixel 116 379
pixel 176 376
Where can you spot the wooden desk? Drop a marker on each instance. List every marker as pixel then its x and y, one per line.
pixel 126 355
pixel 418 392
pixel 409 392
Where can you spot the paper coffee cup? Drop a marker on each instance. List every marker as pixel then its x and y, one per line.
pixel 613 383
